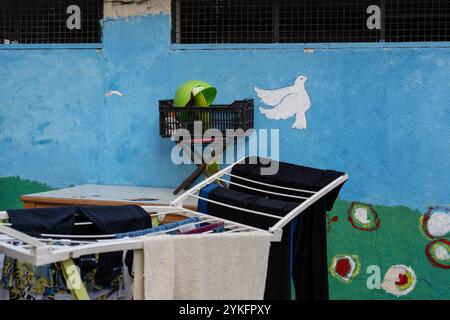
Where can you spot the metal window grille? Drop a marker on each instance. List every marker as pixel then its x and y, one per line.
pixel 45 21
pixel 417 20
pixel 308 21
pixel 223 21
pixel 312 21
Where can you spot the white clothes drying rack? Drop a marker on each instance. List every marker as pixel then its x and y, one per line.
pixel 52 248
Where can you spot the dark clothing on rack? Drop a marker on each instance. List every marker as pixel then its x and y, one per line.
pixel 111 220
pixel 278 272
pixel 202 206
pixel 309 242
pixel 106 220
pixel 309 254
pixel 288 175
pixel 302 252
pixel 160 228
pixel 115 219
pixel 59 220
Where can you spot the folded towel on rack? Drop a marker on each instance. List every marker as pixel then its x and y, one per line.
pixel 202 266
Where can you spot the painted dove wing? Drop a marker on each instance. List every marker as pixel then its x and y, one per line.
pixel 273 97
pixel 303 100
pixel 284 110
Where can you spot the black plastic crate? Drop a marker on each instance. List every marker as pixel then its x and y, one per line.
pixel 238 115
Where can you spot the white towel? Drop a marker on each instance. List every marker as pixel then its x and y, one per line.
pixel 224 266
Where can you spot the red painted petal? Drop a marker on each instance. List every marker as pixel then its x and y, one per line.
pixel 343 267
pixel 402 280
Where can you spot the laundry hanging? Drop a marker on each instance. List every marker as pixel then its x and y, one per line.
pixel 41 251
pixel 309 244
pixel 278 275
pixel 163 227
pixel 110 220
pixel 303 246
pixel 198 267
pixel 105 220
pixel 290 177
pixel 35 221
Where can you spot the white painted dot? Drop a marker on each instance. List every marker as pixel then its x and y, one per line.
pixel 362 216
pixel 439 224
pixel 442 253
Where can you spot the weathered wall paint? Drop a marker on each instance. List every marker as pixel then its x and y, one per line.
pixel 380 115
pixel 51 102
pixel 128 8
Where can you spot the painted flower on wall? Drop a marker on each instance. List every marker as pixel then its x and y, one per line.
pixel 399 280
pixel 435 223
pixel 363 217
pixel 438 253
pixel 345 267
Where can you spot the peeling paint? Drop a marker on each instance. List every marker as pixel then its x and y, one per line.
pixel 128 8
pixel 114 92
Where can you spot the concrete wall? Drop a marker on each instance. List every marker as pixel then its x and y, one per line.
pixel 379 114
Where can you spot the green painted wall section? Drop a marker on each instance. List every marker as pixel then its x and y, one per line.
pixel 398 240
pixel 12 188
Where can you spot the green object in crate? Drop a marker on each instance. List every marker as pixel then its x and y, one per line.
pixel 196 93
pixel 202 92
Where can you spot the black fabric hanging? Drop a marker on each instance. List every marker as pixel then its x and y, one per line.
pixel 288 175
pixel 105 219
pixel 309 241
pixel 116 219
pixel 59 220
pixel 111 220
pixel 309 254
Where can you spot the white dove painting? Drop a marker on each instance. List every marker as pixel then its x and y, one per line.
pixel 287 102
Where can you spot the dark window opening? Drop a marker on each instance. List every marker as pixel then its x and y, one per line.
pixel 227 21
pixel 326 21
pixel 45 21
pixel 308 21
pixel 417 20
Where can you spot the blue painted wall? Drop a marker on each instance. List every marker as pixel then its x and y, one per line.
pixel 380 115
